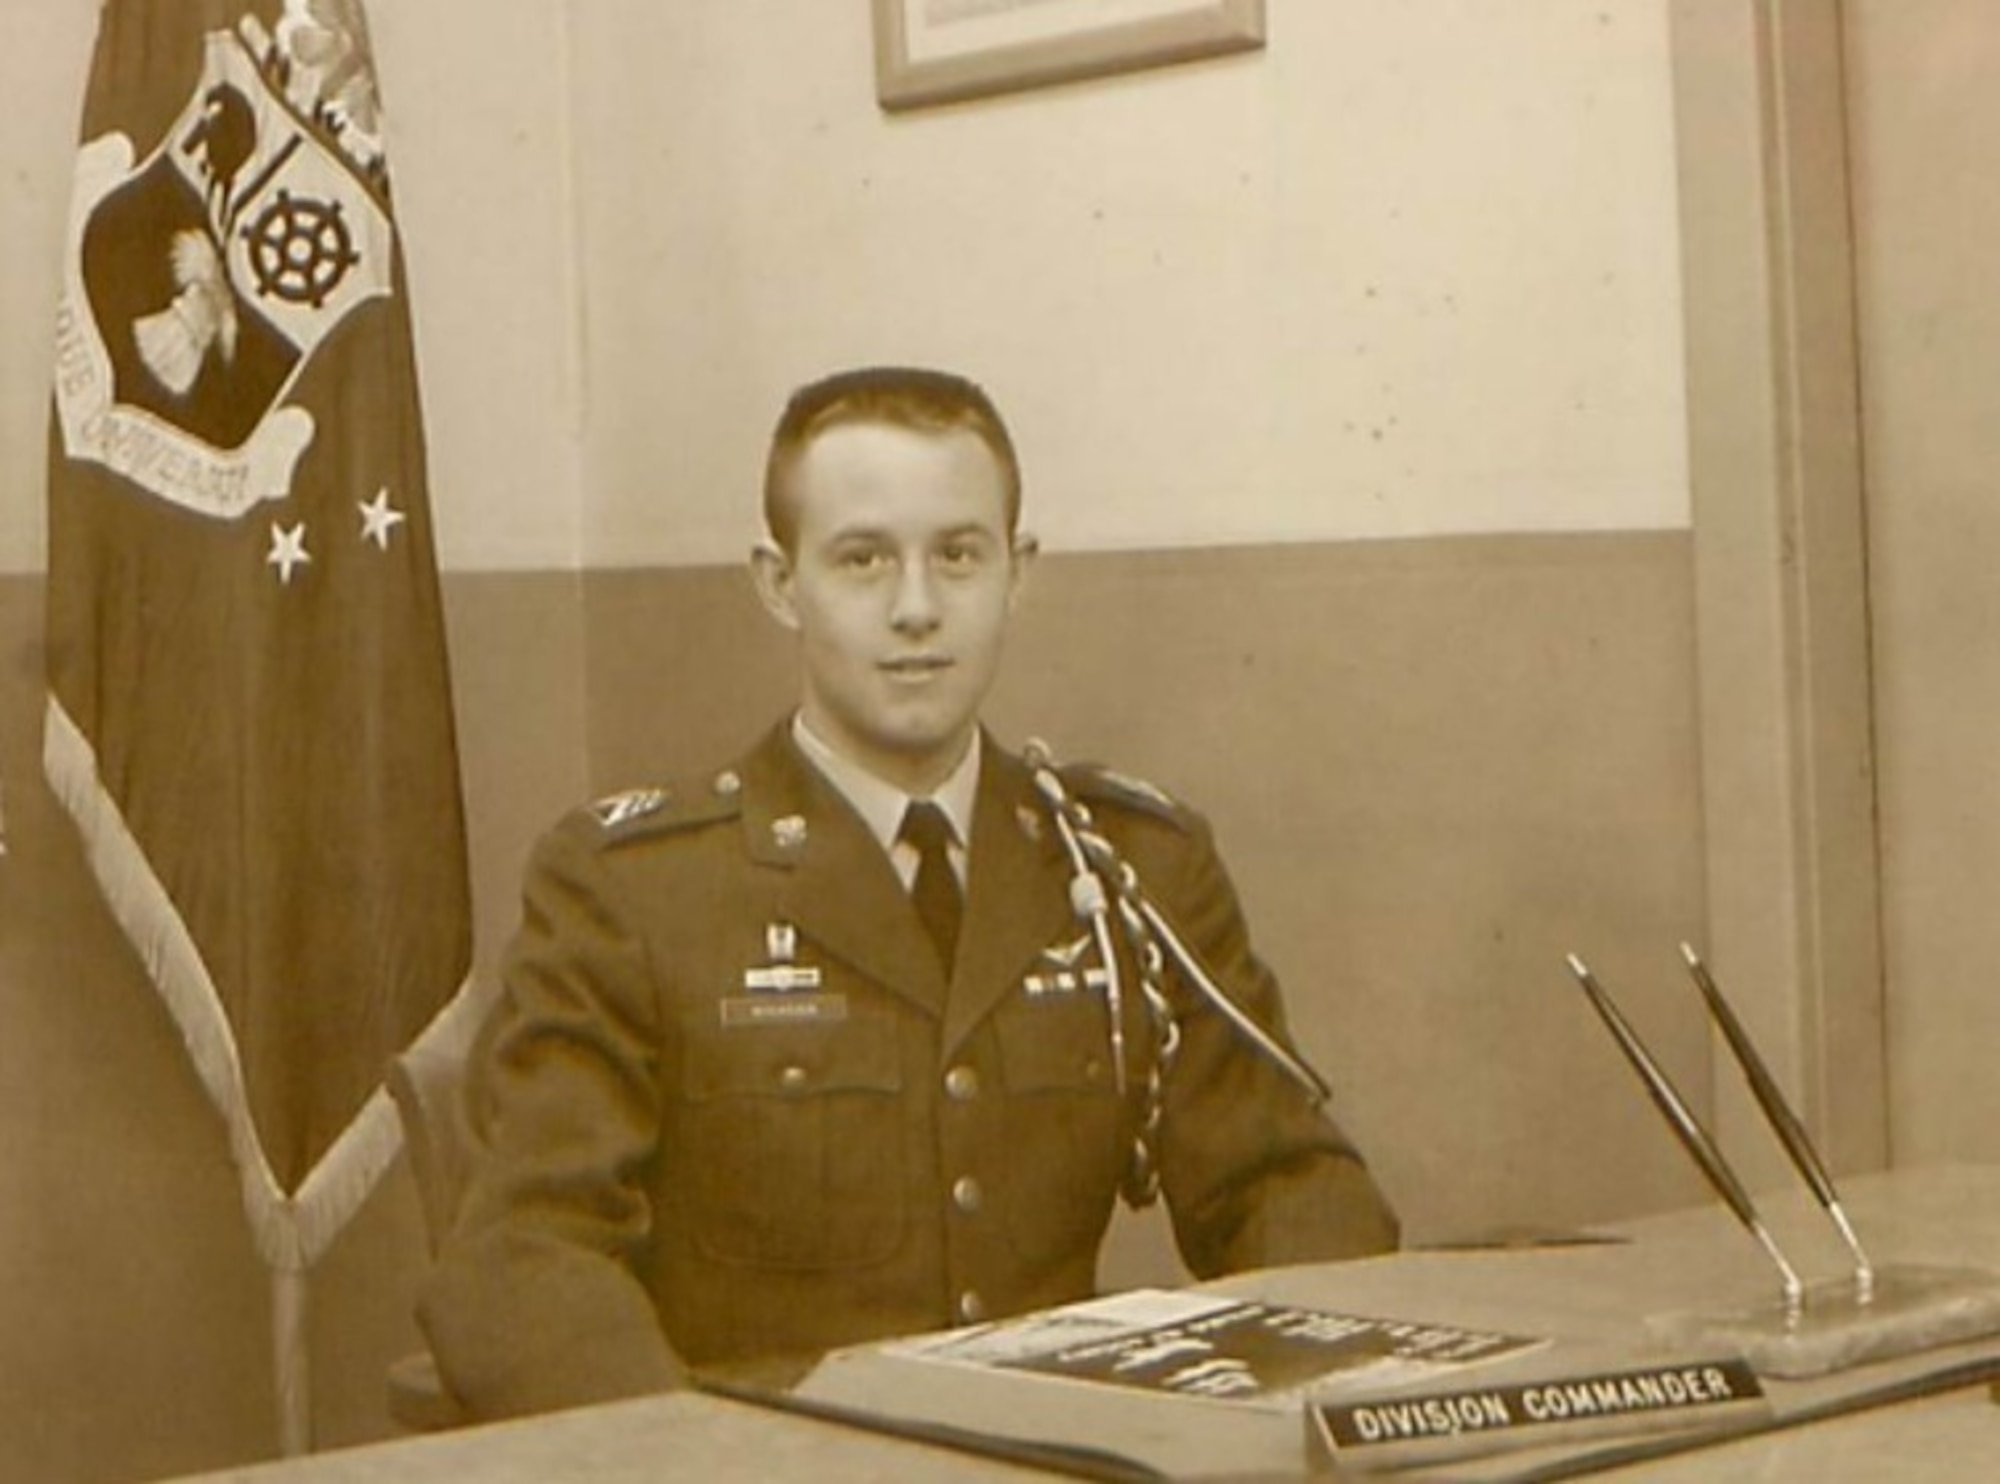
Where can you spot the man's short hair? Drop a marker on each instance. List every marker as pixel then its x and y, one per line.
pixel 913 397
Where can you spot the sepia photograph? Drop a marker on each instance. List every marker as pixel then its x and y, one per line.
pixel 974 739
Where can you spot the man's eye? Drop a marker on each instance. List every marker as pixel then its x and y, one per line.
pixel 862 559
pixel 960 556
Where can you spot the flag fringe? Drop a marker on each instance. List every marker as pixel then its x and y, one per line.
pixel 291 1232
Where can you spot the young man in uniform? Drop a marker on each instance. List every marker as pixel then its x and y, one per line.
pixel 865 1034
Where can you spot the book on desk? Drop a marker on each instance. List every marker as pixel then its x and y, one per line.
pixel 1189 1384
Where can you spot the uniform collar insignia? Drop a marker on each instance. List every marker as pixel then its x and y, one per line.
pixel 1066 955
pixel 789 832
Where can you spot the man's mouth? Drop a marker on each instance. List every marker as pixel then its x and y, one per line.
pixel 916 666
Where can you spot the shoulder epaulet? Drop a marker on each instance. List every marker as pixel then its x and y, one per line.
pixel 1095 783
pixel 647 813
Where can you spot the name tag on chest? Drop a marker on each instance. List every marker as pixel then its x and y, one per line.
pixel 740 1011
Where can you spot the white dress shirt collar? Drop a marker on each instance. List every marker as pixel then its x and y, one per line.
pixel 882 805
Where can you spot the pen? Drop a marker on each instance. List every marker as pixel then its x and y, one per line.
pixel 1791 1132
pixel 1692 1135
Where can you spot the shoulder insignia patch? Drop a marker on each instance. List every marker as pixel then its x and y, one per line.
pixel 1139 787
pixel 620 809
pixel 640 813
pixel 1094 782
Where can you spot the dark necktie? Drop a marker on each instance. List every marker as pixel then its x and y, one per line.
pixel 935 889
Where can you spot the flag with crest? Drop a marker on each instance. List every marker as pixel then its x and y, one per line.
pixel 250 711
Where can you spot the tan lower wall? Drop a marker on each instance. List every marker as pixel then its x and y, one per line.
pixel 131 1308
pixel 134 1316
pixel 1435 767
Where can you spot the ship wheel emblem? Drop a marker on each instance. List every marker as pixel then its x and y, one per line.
pixel 300 249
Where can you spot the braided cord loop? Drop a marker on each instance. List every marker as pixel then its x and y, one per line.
pixel 1154 942
pixel 1097 863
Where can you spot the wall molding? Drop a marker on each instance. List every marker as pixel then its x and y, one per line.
pixel 1781 608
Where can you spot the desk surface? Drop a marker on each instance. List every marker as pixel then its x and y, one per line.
pixel 1944 1216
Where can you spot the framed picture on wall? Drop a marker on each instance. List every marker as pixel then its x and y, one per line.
pixel 941 51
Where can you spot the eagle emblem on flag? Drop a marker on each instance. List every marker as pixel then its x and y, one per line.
pixel 203 277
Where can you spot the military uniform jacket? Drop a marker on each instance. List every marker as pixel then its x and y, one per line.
pixel 731 1105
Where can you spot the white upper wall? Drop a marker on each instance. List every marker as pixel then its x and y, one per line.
pixel 477 121
pixel 1411 270
pixel 44 53
pixel 479 141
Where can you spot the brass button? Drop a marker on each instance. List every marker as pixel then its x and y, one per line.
pixel 961 1083
pixel 971 1307
pixel 1093 1069
pixel 966 1194
pixel 793 1078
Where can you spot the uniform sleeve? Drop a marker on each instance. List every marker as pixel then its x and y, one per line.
pixel 536 1303
pixel 1254 1174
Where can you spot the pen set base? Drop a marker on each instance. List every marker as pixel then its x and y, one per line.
pixel 1835 1327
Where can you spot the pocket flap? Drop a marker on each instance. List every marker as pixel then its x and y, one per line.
pixel 1058 1043
pixel 792 1060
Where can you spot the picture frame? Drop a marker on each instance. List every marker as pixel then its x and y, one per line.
pixel 944 51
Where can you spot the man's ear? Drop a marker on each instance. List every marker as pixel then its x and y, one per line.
pixel 1026 549
pixel 771 571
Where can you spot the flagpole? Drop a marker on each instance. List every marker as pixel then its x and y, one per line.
pixel 290 1314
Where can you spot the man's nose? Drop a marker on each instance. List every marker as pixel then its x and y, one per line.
pixel 916 604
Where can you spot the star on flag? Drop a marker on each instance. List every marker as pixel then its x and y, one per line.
pixel 288 550
pixel 379 518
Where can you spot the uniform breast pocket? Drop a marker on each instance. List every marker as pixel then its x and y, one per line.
pixel 1070 1136
pixel 794 1149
